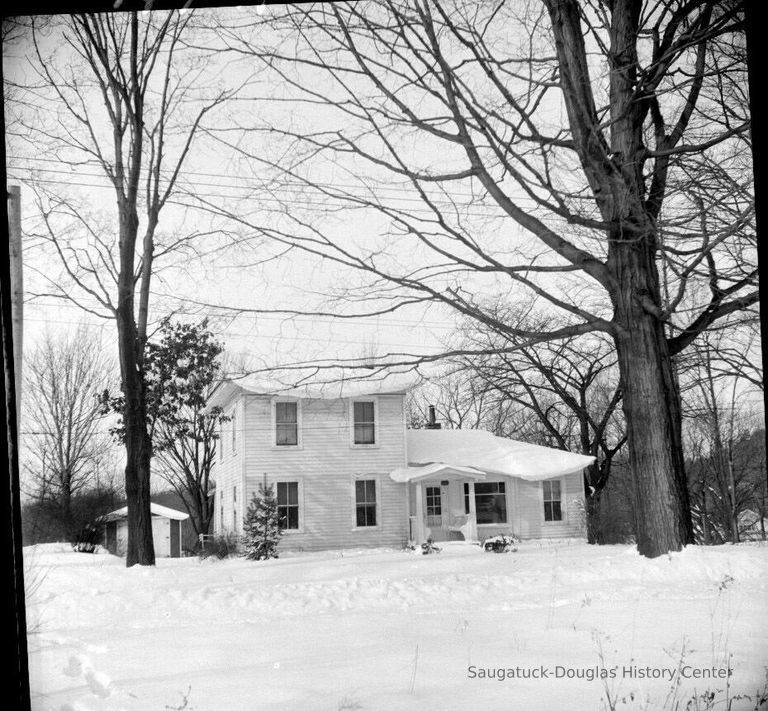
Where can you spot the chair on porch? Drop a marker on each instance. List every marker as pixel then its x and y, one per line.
pixel 462 523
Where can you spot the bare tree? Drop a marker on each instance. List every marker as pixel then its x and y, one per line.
pixel 570 395
pixel 66 441
pixel 460 402
pixel 114 91
pixel 727 471
pixel 544 152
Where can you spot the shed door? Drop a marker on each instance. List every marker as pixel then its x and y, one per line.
pixel 112 537
pixel 175 538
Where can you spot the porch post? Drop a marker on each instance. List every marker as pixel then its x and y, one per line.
pixel 419 532
pixel 472 512
pixel 408 509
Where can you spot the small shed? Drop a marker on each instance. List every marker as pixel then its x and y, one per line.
pixel 166 530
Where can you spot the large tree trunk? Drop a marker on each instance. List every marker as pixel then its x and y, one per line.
pixel 138 453
pixel 138 449
pixel 594 527
pixel 651 403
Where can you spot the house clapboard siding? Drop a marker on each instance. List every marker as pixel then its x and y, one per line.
pixel 325 465
pixel 530 509
pixel 318 461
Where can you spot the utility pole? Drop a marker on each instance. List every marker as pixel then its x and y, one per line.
pixel 17 285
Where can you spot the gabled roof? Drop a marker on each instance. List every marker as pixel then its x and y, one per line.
pixel 483 451
pixel 155 509
pixel 436 471
pixel 330 389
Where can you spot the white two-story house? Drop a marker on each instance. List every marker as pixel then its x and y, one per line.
pixel 347 473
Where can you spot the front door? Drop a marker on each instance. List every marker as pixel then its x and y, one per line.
pixel 434 501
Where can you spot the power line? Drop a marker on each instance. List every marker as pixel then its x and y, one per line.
pixel 362 320
pixel 485 211
pixel 289 187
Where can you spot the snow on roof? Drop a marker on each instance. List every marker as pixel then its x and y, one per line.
pixel 427 471
pixel 481 450
pixel 155 509
pixel 329 389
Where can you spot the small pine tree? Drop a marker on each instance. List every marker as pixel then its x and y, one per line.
pixel 261 527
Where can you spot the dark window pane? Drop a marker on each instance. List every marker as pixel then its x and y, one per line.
pixel 557 514
pixel 366 515
pixel 552 501
pixel 285 412
pixel 286 424
pixel 466 498
pixel 365 491
pixel 434 501
pixel 364 422
pixel 491 502
pixel 363 412
pixel 494 487
pixel 365 434
pixel 288 504
pixel 365 502
pixel 286 434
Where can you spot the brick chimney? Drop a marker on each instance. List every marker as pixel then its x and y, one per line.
pixel 432 423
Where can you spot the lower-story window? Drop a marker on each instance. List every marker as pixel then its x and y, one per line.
pixel 552 501
pixel 491 502
pixel 288 504
pixel 365 502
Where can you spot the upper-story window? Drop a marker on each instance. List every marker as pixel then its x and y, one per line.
pixel 286 424
pixel 364 419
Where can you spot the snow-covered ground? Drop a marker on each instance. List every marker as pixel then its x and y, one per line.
pixel 391 629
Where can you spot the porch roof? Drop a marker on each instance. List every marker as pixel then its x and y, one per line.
pixel 429 471
pixel 479 450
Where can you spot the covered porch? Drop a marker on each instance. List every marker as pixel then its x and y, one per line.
pixel 441 501
pixel 458 479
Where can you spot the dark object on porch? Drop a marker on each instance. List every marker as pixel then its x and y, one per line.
pixel 86 540
pixel 500 544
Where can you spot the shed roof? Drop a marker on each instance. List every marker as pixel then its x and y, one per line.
pixel 484 451
pixel 155 509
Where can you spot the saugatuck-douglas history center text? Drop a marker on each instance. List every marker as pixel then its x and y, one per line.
pixel 617 671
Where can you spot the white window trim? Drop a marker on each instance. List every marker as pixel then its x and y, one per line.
pixel 376 441
pixel 302 509
pixel 507 486
pixel 563 507
pixel 353 496
pixel 273 432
